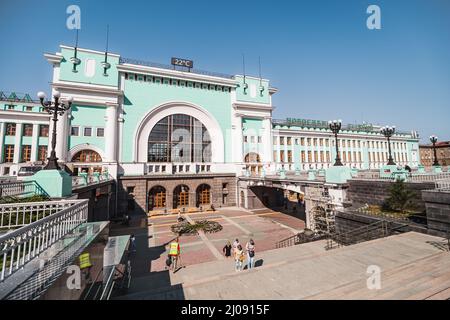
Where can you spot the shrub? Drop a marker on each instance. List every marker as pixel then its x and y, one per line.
pixel 400 197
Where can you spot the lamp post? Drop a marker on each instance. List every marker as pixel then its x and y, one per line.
pixel 433 140
pixel 335 127
pixel 388 132
pixel 54 108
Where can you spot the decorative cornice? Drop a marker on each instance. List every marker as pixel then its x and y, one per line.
pixel 87 88
pixel 53 58
pixel 251 105
pixel 176 74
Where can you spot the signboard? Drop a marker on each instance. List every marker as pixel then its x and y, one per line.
pixel 182 63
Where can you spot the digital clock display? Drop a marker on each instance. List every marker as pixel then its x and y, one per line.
pixel 182 62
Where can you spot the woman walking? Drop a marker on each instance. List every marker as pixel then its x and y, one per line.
pixel 227 250
pixel 250 248
pixel 239 258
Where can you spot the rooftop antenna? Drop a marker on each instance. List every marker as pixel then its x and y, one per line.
pixel 75 59
pixel 261 87
pixel 105 63
pixel 243 67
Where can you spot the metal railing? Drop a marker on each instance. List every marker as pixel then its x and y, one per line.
pixel 21 189
pixel 171 67
pixel 428 177
pixel 299 238
pixel 22 245
pixel 442 184
pixel 16 215
pixel 87 180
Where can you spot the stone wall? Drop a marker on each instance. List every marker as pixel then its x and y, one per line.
pixel 374 192
pixel 102 200
pixel 133 191
pixel 438 211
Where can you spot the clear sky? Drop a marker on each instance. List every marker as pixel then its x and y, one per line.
pixel 320 54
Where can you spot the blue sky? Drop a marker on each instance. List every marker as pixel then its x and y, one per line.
pixel 319 54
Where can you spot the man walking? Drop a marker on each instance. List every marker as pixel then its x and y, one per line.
pixel 174 253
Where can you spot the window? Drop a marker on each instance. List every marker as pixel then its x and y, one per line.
pixel 309 156
pixel 302 141
pixel 9 153
pixel 42 153
pixel 87 156
pixel 26 153
pixel 252 139
pixel 28 108
pixel 10 129
pixel 43 130
pixel 303 155
pixel 27 130
pixel 289 141
pixel 11 107
pixel 282 141
pixel 321 142
pixel 328 156
pixel 100 132
pixel 275 141
pixel 315 142
pixel 179 138
pixel 289 154
pixel 259 139
pixel 327 142
pixel 282 156
pixel 75 131
pixel 322 157
pixel 275 156
pixel 87 131
pixel 296 142
pixel 308 141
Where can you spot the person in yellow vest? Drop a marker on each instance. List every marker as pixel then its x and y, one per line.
pixel 85 265
pixel 174 252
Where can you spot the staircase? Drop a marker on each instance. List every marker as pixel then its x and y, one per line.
pixel 413 266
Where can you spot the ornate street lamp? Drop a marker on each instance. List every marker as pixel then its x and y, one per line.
pixel 54 108
pixel 388 132
pixel 433 140
pixel 335 127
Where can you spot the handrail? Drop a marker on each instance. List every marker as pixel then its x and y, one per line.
pixel 21 189
pixel 19 247
pixel 16 215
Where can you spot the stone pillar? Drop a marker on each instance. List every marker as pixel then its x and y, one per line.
pixel 111 133
pixel 2 140
pixel 34 143
pixel 267 140
pixel 18 143
pixel 62 134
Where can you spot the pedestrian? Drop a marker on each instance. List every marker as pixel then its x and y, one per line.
pixel 239 258
pixel 174 253
pixel 236 243
pixel 250 248
pixel 227 250
pixel 133 243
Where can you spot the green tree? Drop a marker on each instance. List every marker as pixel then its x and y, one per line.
pixel 400 196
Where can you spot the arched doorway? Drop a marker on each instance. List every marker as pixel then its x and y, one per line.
pixel 181 196
pixel 253 163
pixel 84 161
pixel 157 198
pixel 203 195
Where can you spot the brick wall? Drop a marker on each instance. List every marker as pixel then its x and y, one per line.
pixel 374 192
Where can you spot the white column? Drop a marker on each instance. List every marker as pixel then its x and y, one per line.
pixel 34 142
pixel 238 146
pixel 62 129
pixel 267 140
pixel 111 133
pixel 2 140
pixel 18 143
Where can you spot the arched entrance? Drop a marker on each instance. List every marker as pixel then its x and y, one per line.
pixel 84 161
pixel 203 195
pixel 156 198
pixel 253 163
pixel 181 196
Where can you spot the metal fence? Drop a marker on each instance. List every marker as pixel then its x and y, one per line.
pixel 16 215
pixel 87 180
pixel 21 189
pixel 443 184
pixel 24 244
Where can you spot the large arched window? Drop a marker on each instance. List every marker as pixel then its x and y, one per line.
pixel 179 138
pixel 87 156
